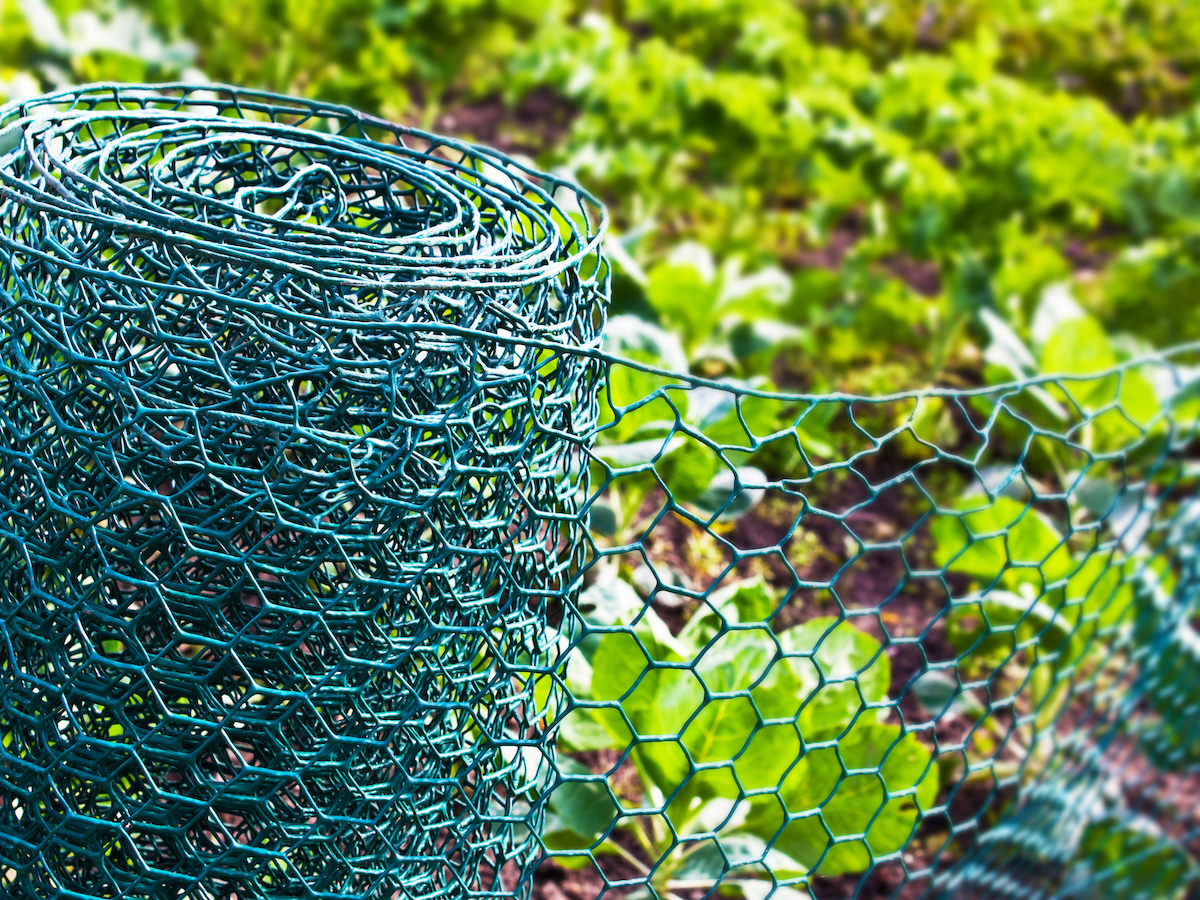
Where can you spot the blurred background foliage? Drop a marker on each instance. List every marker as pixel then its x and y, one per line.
pixel 822 194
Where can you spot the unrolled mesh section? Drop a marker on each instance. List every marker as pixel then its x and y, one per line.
pixel 942 644
pixel 291 479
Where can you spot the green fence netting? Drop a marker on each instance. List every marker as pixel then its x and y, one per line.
pixel 288 484
pixel 347 553
pixel 936 644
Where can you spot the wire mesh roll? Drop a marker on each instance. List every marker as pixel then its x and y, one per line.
pixel 291 477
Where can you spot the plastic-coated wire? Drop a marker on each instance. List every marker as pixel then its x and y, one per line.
pixel 327 571
pixel 941 643
pixel 286 496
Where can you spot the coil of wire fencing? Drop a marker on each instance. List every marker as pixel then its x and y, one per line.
pixel 290 482
pixel 348 552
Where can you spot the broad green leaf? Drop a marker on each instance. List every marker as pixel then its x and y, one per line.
pixel 765 890
pixel 736 659
pixel 1003 539
pixel 746 417
pixel 585 728
pixel 636 453
pixel 618 665
pixel 632 337
pixel 724 855
pixel 609 602
pixel 769 755
pixel 581 808
pixel 689 469
pixel 753 599
pixel 1002 610
pixel 658 701
pixel 733 663
pixel 625 410
pixel 1079 346
pixel 850 663
pixel 707 800
pixel 1097 587
pixel 684 290
pixel 749 601
pixel 866 805
pixel 1120 428
pixel 987 631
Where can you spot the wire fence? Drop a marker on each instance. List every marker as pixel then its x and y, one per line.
pixel 345 556
pixel 947 648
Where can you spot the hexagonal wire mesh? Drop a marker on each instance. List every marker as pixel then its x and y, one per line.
pixel 289 484
pixel 939 643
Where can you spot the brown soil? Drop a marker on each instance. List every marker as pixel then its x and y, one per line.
pixel 539 120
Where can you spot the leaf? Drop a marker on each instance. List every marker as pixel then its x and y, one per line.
pixel 850 663
pixel 1138 407
pixel 1097 495
pixel 714 859
pixel 762 890
pixel 1003 540
pixel 1080 347
pixel 709 406
pixel 734 662
pixel 941 694
pixel 602 519
pixel 1006 349
pixel 619 664
pixel 1128 859
pixel 628 403
pixel 849 805
pixel 683 290
pixel 1097 587
pixel 688 470
pixel 768 288
pixel 658 702
pixel 635 338
pixel 733 421
pixel 1003 610
pixel 583 729
pixel 610 602
pixel 752 600
pixel 756 343
pixel 581 807
pixel 730 494
pixel 1056 306
pixel 637 453
pixel 769 755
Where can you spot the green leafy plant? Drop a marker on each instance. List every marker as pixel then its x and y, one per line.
pixel 746 743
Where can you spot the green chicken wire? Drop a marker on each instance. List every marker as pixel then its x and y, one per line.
pixel 939 644
pixel 328 572
pixel 292 475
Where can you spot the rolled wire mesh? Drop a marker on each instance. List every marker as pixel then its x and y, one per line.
pixel 290 485
pixel 318 539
